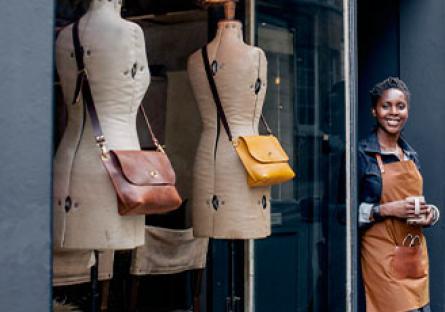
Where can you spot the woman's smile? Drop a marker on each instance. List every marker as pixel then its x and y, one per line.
pixel 393 122
pixel 391 111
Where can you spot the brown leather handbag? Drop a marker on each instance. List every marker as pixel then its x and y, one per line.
pixel 144 181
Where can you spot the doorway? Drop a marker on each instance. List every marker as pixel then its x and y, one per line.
pixel 305 258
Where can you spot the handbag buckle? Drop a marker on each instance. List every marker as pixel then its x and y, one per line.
pixel 158 146
pixel 102 143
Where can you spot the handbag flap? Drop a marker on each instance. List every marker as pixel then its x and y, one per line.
pixel 265 148
pixel 145 167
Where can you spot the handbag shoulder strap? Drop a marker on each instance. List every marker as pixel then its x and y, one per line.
pixel 216 97
pixel 83 86
pixel 214 90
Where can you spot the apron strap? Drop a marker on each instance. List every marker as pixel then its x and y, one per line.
pixel 380 162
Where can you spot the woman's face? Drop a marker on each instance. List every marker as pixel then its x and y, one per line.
pixel 391 111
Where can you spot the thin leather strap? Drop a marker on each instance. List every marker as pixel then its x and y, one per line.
pixel 150 130
pixel 216 97
pixel 83 85
pixel 263 119
pixel 380 162
pixel 268 129
pixel 78 52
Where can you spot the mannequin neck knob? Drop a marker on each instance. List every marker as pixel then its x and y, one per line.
pixel 112 5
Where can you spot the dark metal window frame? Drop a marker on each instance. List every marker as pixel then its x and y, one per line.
pixel 350 35
pixel 351 76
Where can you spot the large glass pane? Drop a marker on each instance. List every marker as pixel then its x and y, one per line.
pixel 305 258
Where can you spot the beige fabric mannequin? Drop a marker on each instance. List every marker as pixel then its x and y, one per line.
pixel 72 267
pixel 168 251
pixel 224 206
pixel 116 62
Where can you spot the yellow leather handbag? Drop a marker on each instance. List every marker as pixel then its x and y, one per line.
pixel 265 160
pixel 262 156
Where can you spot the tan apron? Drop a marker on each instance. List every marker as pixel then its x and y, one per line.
pixel 389 288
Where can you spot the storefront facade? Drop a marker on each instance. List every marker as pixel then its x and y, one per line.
pixel 322 57
pixel 26 54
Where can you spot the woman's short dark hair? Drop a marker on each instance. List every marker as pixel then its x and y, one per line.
pixel 389 83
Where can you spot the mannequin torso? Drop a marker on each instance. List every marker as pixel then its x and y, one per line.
pixel 85 205
pixel 224 206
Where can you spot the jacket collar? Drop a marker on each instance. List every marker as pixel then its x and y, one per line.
pixel 371 145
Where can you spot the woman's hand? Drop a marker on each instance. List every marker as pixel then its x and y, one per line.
pixel 429 218
pixel 402 209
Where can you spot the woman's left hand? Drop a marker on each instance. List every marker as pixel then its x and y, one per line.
pixel 429 218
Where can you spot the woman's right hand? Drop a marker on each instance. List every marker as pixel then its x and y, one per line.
pixel 402 209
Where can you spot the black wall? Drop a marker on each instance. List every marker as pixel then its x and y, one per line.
pixel 422 66
pixel 407 39
pixel 378 58
pixel 378 52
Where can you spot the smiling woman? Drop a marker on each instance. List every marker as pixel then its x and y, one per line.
pixel 390 106
pixel 391 193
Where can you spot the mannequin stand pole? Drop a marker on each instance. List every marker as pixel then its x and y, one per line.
pixel 196 287
pixel 105 292
pixel 94 273
pixel 232 304
pixel 134 295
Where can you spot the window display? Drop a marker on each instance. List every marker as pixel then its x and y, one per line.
pixel 224 204
pixel 119 72
pixel 158 264
pixel 85 203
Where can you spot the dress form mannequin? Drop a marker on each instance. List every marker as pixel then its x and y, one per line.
pixel 85 204
pixel 224 206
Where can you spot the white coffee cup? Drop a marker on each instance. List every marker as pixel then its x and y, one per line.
pixel 420 217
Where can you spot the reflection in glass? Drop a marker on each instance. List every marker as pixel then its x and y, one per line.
pixel 305 108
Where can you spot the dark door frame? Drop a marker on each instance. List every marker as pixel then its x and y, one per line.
pixel 352 267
